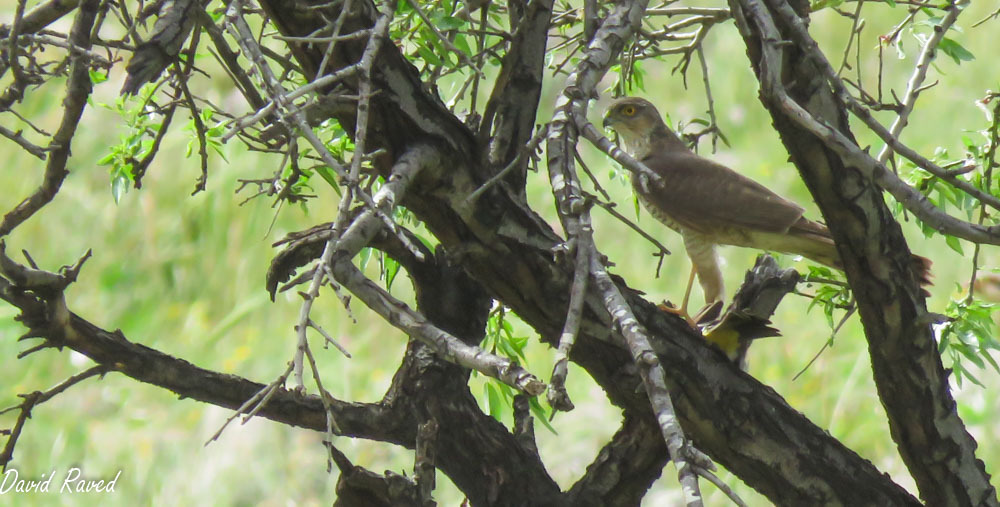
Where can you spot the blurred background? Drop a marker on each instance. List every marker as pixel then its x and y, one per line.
pixel 185 274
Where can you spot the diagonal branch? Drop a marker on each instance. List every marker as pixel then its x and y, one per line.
pixel 931 438
pixel 575 215
pixel 78 88
pixel 42 16
pixel 653 379
pixel 904 193
pixel 913 86
pixel 509 250
pixel 36 398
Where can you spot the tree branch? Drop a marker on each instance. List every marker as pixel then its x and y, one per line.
pixel 78 88
pixel 931 438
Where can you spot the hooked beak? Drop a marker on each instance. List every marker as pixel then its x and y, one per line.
pixel 608 123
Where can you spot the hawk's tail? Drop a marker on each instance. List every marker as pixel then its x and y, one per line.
pixel 820 248
pixel 922 265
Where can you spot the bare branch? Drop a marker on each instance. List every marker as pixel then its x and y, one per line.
pixel 42 16
pixel 28 146
pixel 78 88
pixel 913 200
pixel 557 395
pixel 653 377
pixel 921 415
pixel 568 120
pixel 37 398
pixel 913 87
pixel 904 193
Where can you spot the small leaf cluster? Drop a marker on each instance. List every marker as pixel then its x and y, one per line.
pixel 500 339
pixel 142 122
pixel 969 335
pixel 832 292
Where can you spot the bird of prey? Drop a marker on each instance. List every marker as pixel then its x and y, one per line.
pixel 709 204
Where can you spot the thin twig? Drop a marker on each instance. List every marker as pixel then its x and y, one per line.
pixel 851 308
pixel 528 149
pixel 37 398
pixel 723 487
pixel 610 208
pixel 913 87
pixel 28 146
pixel 329 339
pixel 257 402
pixel 852 36
pixel 78 88
pixel 446 42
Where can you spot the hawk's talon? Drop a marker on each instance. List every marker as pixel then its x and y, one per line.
pixel 667 307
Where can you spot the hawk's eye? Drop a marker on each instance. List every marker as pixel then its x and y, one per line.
pixel 628 110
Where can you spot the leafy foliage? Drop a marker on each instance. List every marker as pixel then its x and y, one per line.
pixel 142 125
pixel 499 397
pixel 969 335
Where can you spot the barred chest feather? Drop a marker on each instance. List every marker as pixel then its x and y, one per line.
pixel 719 235
pixel 653 210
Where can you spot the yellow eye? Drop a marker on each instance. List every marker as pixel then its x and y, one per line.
pixel 628 110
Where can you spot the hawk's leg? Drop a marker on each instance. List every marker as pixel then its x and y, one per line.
pixel 683 310
pixel 687 292
pixel 705 261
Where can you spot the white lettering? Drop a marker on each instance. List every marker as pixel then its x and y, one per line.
pixel 3 486
pixel 111 485
pixel 44 488
pixel 72 476
pixel 73 483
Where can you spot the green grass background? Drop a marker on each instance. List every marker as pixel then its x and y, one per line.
pixel 185 275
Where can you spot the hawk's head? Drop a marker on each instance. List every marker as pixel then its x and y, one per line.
pixel 639 126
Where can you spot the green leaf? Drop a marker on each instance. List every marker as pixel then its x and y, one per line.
pixel 993 362
pixel 945 341
pixel 107 159
pixel 541 414
pixel 506 349
pixel 970 354
pixel 965 374
pixel 462 44
pixel 391 270
pixel 364 257
pixel 119 187
pixel 218 149
pixel 954 244
pixel 493 397
pixel 97 77
pixel 824 4
pixel 429 56
pixel 955 50
pixel 327 174
pixel 508 329
pixel 427 242
pixel 820 272
pixel 448 22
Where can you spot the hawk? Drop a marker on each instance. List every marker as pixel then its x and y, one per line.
pixel 709 204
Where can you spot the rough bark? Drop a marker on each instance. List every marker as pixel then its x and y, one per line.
pixel 499 248
pixel 507 248
pixel 911 381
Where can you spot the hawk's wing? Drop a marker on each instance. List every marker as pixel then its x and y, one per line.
pixel 703 196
